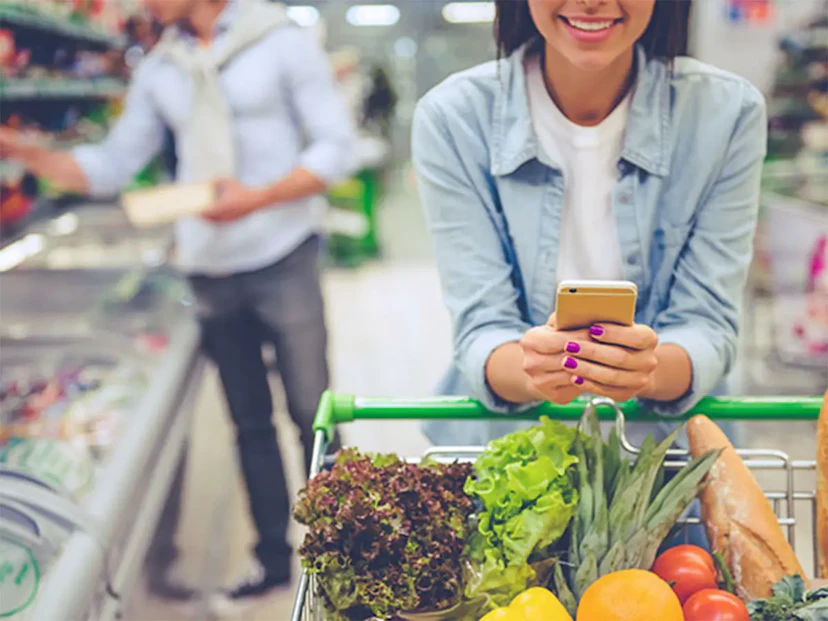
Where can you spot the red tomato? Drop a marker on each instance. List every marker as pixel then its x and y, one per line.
pixel 688 568
pixel 715 605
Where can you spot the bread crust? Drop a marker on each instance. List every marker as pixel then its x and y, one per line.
pixel 822 488
pixel 739 520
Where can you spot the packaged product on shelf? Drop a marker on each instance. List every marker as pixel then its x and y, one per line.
pixel 7 50
pixel 83 406
pixel 15 204
pixel 69 468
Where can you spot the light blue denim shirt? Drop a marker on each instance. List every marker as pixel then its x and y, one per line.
pixel 685 204
pixel 287 113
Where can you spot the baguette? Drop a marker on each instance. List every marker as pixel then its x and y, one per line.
pixel 822 488
pixel 740 522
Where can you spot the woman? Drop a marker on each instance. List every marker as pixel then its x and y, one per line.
pixel 593 150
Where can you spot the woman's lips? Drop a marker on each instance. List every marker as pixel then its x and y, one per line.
pixel 590 30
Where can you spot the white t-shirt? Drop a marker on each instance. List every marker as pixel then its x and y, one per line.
pixel 589 247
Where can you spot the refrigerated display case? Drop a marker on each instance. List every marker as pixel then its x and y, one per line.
pixel 99 371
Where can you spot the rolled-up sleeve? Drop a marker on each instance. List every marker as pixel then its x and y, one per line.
pixel 475 274
pixel 708 286
pixel 136 137
pixel 321 108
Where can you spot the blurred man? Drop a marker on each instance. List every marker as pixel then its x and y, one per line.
pixel 380 104
pixel 252 104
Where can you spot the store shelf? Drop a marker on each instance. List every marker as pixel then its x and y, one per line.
pixel 25 17
pixel 27 90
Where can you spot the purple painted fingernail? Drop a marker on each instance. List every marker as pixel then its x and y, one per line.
pixel 572 347
pixel 570 363
pixel 579 380
pixel 596 331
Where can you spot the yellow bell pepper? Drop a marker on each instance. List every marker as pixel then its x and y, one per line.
pixel 538 604
pixel 535 604
pixel 502 614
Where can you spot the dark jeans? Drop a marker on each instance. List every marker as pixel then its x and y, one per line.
pixel 163 550
pixel 281 305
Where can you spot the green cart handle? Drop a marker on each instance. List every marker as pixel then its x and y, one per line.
pixel 335 409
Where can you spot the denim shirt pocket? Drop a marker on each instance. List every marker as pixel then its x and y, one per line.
pixel 668 243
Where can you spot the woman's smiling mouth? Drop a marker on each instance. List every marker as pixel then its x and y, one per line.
pixel 590 29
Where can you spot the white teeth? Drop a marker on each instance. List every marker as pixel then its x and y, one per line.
pixel 590 26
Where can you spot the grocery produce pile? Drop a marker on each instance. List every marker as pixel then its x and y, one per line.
pixel 551 523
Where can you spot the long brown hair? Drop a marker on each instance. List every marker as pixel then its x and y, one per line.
pixel 666 35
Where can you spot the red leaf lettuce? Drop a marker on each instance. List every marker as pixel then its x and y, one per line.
pixel 385 536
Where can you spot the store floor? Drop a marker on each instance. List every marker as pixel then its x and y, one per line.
pixel 380 316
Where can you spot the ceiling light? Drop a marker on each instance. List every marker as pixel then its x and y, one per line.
pixel 469 12
pixel 405 47
pixel 373 15
pixel 305 16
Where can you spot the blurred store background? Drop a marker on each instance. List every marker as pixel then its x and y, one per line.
pixel 102 381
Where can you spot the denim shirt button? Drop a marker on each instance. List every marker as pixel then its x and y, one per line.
pixel 625 199
pixel 632 259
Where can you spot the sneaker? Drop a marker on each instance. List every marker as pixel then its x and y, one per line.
pixel 167 584
pixel 172 591
pixel 257 585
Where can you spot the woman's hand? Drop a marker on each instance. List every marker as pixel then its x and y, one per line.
pixel 544 351
pixel 612 361
pixel 607 360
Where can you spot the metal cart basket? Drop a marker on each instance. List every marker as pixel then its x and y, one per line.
pixel 788 494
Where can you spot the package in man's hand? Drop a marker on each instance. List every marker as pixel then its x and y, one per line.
pixel 165 204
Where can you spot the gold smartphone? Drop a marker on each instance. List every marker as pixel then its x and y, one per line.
pixel 582 303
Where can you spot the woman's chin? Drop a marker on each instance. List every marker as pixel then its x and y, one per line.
pixel 591 61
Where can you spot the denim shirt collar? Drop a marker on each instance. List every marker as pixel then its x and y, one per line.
pixel 645 141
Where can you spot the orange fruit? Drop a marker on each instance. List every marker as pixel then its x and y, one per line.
pixel 629 595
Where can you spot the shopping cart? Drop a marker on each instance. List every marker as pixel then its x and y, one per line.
pixel 786 495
